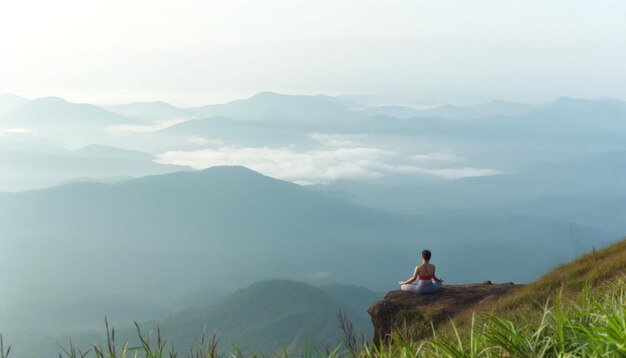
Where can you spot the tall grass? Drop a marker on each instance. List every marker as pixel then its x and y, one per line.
pixel 150 346
pixel 591 325
pixel 4 353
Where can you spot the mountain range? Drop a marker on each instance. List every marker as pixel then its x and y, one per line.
pixel 270 105
pixel 489 109
pixel 151 111
pixel 499 191
pixel 55 111
pixel 230 226
pixel 27 165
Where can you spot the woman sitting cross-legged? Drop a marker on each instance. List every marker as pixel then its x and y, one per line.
pixel 425 276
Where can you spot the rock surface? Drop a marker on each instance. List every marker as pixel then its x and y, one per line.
pixel 400 308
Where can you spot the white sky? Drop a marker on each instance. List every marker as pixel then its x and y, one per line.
pixel 199 52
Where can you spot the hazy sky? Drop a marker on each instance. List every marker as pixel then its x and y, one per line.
pixel 198 52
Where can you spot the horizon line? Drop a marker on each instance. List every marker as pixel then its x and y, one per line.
pixel 413 105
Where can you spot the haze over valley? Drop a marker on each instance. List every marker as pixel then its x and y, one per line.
pixel 166 203
pixel 263 171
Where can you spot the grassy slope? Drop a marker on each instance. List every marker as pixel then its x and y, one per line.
pixel 577 309
pixel 592 271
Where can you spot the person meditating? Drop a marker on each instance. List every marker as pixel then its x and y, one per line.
pixel 425 272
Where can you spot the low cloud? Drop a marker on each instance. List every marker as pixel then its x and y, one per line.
pixel 316 166
pixel 447 173
pixel 312 167
pixel 201 141
pixel 436 157
pixel 336 140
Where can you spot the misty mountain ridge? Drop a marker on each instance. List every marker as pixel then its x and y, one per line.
pixel 594 179
pixel 270 105
pixel 275 106
pixel 22 159
pixel 10 101
pixel 608 114
pixel 151 111
pixel 54 111
pixel 98 150
pixel 551 131
pixel 488 109
pixel 200 211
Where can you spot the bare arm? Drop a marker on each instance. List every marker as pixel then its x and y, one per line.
pixel 438 279
pixel 412 279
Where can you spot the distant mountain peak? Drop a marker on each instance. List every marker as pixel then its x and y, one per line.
pixel 448 106
pixel 50 99
pixel 566 99
pixel 57 110
pixel 590 107
pixel 230 169
pixel 12 96
pixel 496 107
pixel 9 101
pixel 272 106
pixel 265 96
pixel 268 94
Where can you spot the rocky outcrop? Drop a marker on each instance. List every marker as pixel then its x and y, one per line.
pixel 400 309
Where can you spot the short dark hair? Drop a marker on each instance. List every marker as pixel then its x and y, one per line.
pixel 426 255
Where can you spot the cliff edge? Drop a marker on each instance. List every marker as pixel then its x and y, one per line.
pixel 401 309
